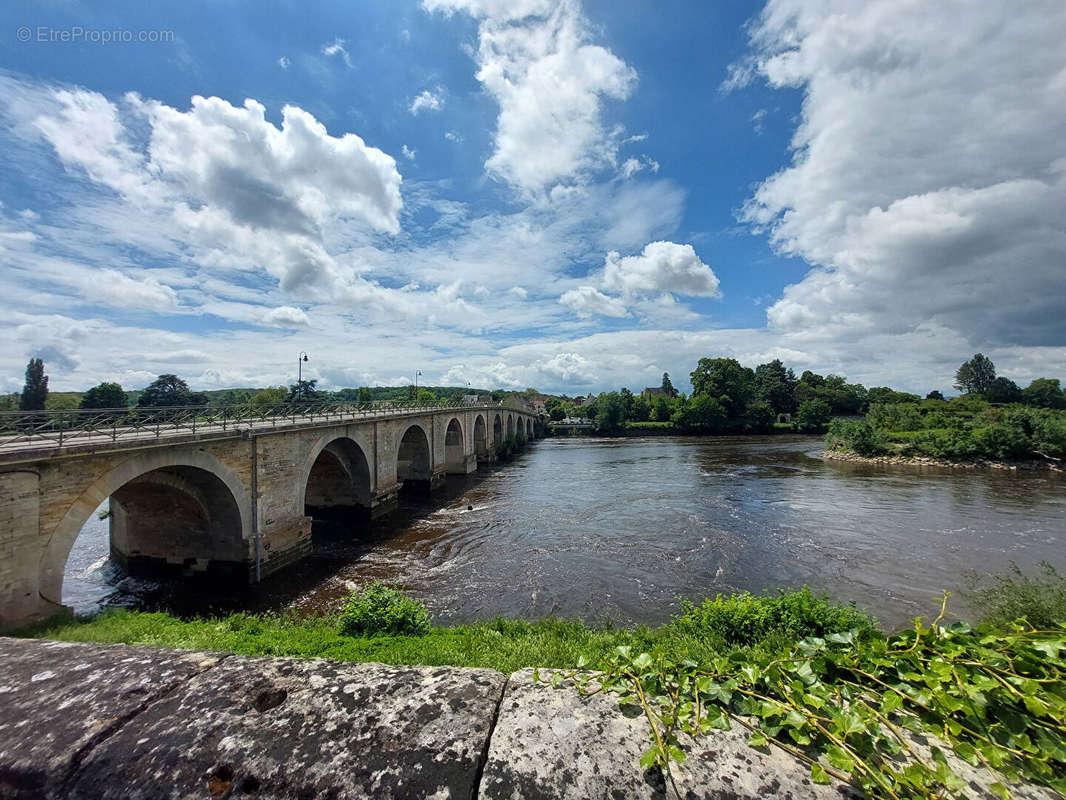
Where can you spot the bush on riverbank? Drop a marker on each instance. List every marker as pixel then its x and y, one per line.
pixel 380 609
pixel 1001 599
pixel 962 429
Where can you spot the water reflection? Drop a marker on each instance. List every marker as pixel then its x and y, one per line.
pixel 620 529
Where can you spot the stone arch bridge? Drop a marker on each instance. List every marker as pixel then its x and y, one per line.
pixel 232 496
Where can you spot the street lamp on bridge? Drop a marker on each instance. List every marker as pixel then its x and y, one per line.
pixel 300 374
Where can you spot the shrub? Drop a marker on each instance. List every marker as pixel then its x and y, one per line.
pixel 895 416
pixel 746 619
pixel 956 444
pixel 1002 599
pixel 857 435
pixel 377 608
pixel 813 416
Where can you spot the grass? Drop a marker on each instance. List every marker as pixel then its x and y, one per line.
pixel 649 426
pixel 744 623
pixel 767 623
pixel 1001 599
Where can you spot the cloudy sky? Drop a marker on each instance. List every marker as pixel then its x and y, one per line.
pixel 569 194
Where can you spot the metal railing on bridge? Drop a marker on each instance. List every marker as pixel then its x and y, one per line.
pixel 30 429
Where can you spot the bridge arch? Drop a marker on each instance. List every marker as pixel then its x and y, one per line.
pixel 481 441
pixel 510 426
pixel 497 430
pixel 205 502
pixel 454 446
pixel 414 461
pixel 336 475
pixel 529 428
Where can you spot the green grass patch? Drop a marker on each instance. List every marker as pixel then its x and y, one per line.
pixel 764 623
pixel 649 426
pixel 1001 599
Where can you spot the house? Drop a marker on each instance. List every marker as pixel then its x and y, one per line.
pixel 477 399
pixel 539 403
pixel 651 392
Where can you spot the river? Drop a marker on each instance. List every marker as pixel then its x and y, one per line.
pixel 621 529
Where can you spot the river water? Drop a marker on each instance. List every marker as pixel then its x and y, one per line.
pixel 622 529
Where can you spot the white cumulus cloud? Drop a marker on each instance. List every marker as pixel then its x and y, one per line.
pixel 428 100
pixel 588 301
pixel 662 267
pixel 537 60
pixel 286 317
pixel 928 181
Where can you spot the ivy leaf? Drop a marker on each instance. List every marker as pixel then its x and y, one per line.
pixel 757 739
pixel 819 775
pixel 841 638
pixel 649 759
pixel 643 661
pixel 967 752
pixel 891 702
pixel 1001 791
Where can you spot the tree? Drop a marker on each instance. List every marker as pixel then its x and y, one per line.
pixel 667 386
pixel 268 398
pixel 365 395
pixel 1003 390
pixel 425 397
pixel 557 413
pixel 627 402
pixel 936 394
pixel 662 410
pixel 1044 393
pixel 35 390
pixel 727 381
pixel 610 412
pixel 700 413
pixel 104 395
pixel 813 416
pixel 170 390
pixel 774 384
pixel 641 411
pixel 305 392
pixel 976 375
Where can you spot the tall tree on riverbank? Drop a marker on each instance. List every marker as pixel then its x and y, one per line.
pixel 667 386
pixel 104 395
pixel 976 375
pixel 170 390
pixel 774 384
pixel 35 390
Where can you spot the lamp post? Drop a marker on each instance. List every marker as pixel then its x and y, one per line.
pixel 300 359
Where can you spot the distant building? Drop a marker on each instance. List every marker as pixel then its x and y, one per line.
pixel 540 403
pixel 657 391
pixel 477 399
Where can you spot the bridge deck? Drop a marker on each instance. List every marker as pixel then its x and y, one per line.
pixel 49 434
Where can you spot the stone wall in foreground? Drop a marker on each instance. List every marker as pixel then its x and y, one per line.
pixel 110 721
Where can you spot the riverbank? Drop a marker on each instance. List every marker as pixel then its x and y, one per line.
pixel 741 623
pixel 928 461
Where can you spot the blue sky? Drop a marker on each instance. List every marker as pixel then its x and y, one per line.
pixel 570 195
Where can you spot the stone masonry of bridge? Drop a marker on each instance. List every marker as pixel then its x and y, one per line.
pixel 236 503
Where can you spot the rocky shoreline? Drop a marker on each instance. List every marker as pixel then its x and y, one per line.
pixel 927 461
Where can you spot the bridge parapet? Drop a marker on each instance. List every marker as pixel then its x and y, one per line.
pixel 36 432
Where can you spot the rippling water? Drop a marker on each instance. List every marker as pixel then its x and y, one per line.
pixel 620 529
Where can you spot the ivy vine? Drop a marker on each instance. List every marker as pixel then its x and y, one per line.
pixel 849 705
